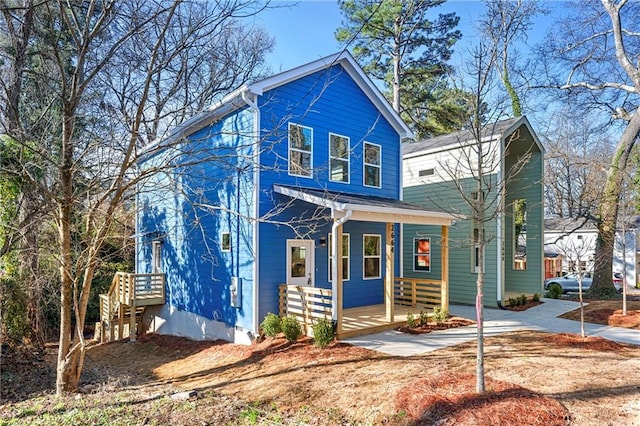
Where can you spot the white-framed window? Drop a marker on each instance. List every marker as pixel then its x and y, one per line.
pixel 422 254
pixel 300 150
pixel 225 242
pixel 338 158
pixel 371 253
pixel 156 256
pixel 372 165
pixel 346 261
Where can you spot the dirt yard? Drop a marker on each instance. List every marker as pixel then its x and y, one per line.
pixel 532 379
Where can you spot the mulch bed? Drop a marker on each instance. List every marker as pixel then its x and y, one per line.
pixel 453 322
pixel 450 399
pixel 593 343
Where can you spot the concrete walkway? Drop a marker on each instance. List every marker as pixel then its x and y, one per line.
pixel 543 317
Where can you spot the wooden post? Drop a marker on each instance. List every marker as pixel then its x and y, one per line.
pixel 388 278
pixel 444 285
pixel 132 309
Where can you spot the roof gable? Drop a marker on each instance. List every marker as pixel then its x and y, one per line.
pixel 490 133
pixel 244 96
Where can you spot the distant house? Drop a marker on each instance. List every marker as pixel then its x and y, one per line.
pixel 282 198
pixel 514 257
pixel 574 240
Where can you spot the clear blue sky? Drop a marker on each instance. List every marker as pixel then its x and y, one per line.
pixel 304 30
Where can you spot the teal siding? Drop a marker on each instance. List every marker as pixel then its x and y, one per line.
pixel 462 278
pixel 526 185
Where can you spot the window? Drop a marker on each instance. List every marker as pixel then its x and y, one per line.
pixel 372 164
pixel 156 256
pixel 371 253
pixel 300 148
pixel 476 250
pixel 520 234
pixel 338 158
pixel 345 258
pixel 426 172
pixel 422 254
pixel 226 241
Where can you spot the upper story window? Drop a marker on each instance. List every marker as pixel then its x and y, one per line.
pixel 300 150
pixel 338 158
pixel 372 164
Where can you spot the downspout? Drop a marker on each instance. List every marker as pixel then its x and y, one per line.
pixel 334 261
pixel 256 205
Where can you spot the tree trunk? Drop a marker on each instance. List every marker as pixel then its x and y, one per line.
pixel 480 313
pixel 67 378
pixel 608 216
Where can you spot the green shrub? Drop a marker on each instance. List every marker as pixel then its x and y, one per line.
pixel 322 333
pixel 512 302
pixel 440 314
pixel 271 325
pixel 535 297
pixel 411 321
pixel 291 328
pixel 554 291
pixel 423 318
pixel 522 300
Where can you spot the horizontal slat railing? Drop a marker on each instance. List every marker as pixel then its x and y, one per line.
pixel 143 289
pixel 307 304
pixel 127 296
pixel 419 292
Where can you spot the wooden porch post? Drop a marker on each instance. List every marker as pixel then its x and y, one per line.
pixel 444 286
pixel 389 276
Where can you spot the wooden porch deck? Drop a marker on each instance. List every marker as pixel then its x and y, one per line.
pixel 372 319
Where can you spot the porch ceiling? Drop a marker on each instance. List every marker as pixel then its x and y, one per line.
pixel 368 208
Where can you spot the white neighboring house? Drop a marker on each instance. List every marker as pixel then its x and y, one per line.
pixel 575 241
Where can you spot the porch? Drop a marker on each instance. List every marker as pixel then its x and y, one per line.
pixel 308 304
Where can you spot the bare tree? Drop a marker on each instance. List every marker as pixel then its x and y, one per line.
pixel 504 24
pixel 577 154
pixel 576 253
pixel 115 72
pixel 478 174
pixel 591 56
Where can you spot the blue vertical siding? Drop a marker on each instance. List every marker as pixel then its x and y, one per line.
pixel 190 209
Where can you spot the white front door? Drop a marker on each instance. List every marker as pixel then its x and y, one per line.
pixel 300 265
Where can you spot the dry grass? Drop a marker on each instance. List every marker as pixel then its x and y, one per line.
pixel 531 378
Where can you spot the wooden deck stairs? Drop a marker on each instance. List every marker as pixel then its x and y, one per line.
pixel 123 306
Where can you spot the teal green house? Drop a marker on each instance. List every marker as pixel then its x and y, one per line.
pixel 440 173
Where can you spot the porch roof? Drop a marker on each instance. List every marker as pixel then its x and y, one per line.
pixel 368 208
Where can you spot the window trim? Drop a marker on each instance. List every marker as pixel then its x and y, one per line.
pixel 417 254
pixel 222 244
pixel 365 165
pixel 290 148
pixel 348 257
pixel 347 159
pixel 365 257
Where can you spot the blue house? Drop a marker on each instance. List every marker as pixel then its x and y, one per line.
pixel 285 198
